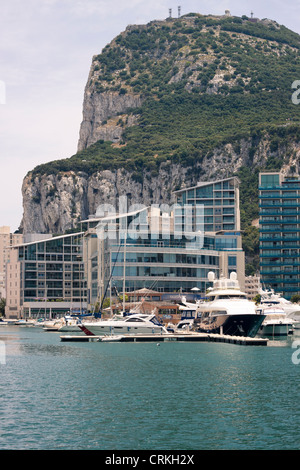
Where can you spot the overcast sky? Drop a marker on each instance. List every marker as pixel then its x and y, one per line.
pixel 46 49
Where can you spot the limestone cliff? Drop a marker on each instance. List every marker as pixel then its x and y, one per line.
pixel 169 104
pixel 101 112
pixel 54 203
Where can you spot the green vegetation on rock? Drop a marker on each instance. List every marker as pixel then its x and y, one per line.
pixel 205 81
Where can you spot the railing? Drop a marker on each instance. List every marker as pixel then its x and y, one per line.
pixel 281 187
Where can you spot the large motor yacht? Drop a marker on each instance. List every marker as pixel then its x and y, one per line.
pixel 227 310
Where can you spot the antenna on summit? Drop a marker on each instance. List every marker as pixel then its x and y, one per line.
pixel 170 12
pixel 179 12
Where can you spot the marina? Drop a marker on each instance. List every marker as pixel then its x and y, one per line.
pixel 150 280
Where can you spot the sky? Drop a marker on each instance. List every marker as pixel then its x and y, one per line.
pixel 46 50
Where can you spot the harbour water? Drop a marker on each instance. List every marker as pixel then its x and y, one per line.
pixel 131 396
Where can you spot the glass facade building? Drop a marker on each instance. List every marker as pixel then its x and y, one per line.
pixel 163 265
pixel 52 276
pixel 279 232
pixel 201 233
pixel 220 202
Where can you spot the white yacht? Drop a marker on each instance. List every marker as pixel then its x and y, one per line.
pixel 70 324
pixel 135 324
pixel 227 310
pixel 26 323
pixel 189 305
pixel 291 309
pixel 277 321
pixel 184 325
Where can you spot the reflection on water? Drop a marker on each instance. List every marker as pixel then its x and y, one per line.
pixel 32 341
pixel 283 340
pixel 45 350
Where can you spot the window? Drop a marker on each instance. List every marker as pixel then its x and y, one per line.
pixel 231 260
pixel 270 180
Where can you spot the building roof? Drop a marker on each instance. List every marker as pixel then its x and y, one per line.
pixel 206 183
pixel 50 239
pixel 114 216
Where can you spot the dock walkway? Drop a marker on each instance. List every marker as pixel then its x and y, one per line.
pixel 187 337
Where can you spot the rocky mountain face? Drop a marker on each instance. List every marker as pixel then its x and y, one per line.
pixel 54 203
pixel 169 104
pixel 98 122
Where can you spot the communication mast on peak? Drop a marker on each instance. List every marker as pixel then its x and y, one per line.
pixel 170 12
pixel 179 12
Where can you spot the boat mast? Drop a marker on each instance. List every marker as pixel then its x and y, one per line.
pixel 124 268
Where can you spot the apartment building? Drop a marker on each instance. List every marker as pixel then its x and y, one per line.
pixel 47 278
pixel 7 240
pixel 279 232
pixel 171 251
pixel 252 286
pixel 220 201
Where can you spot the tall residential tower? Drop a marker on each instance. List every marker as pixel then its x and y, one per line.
pixel 279 232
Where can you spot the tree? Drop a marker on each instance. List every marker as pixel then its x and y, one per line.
pixel 2 307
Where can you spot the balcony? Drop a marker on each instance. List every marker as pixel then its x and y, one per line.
pixel 268 280
pixel 279 196
pixel 279 239
pixel 278 213
pixel 279 273
pixel 280 204
pixel 281 187
pixel 289 220
pixel 278 264
pixel 274 253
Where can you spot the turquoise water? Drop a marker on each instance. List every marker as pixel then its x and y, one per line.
pixel 180 396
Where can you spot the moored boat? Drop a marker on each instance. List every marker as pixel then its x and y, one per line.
pixel 227 310
pixel 25 322
pixel 70 324
pixel 276 323
pixel 275 299
pixel 132 324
